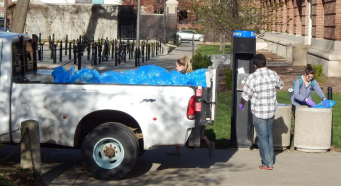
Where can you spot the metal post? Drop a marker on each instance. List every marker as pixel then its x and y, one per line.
pixel 132 50
pixel 51 49
pixel 60 51
pixel 30 146
pixel 113 49
pixel 149 52
pixel 54 53
pixel 138 33
pixel 39 52
pixel 95 53
pixel 100 50
pixel 142 52
pixel 157 49
pixel 49 40
pixel 116 54
pixel 70 51
pixel 34 48
pixel 95 57
pixel 42 50
pixel 330 97
pixel 146 49
pixel 66 44
pixel 74 50
pixel 79 55
pixel 88 51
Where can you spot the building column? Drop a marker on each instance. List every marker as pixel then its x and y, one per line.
pixel 297 18
pixel 308 23
pixel 284 17
pixel 338 21
pixel 171 17
pixel 290 16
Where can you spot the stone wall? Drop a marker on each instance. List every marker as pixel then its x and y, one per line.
pixel 98 21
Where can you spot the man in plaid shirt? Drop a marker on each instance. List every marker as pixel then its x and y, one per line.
pixel 260 90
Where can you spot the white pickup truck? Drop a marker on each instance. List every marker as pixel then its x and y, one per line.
pixel 112 124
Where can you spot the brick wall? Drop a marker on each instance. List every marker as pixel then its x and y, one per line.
pixel 317 18
pixel 293 18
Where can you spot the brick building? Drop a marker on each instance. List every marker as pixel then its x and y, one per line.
pixel 307 32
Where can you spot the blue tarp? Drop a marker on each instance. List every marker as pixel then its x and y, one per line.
pixel 144 75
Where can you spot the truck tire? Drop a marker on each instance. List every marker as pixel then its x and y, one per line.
pixel 110 151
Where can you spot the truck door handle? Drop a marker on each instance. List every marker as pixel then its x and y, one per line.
pixel 148 100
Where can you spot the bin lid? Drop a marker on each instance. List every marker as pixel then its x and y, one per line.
pixel 243 33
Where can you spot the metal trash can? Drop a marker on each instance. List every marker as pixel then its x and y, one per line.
pixel 281 128
pixel 312 129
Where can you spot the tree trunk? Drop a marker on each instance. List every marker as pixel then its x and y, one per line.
pixel 20 14
pixel 220 42
pixel 224 44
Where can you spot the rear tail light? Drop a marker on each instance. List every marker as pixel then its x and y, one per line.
pixel 191 108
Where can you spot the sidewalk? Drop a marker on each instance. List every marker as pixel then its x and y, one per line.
pixel 62 167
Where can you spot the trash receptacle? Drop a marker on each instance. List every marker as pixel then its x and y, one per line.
pixel 312 129
pixel 281 128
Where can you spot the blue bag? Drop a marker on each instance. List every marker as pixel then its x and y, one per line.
pixel 325 104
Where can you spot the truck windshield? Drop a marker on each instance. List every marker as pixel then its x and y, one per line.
pixel 21 58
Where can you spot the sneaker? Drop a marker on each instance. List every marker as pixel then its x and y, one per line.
pixel 266 167
pixel 211 148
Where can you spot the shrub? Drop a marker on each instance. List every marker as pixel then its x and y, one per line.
pixel 228 73
pixel 318 73
pixel 201 61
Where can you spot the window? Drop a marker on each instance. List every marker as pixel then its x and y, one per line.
pixel 1 13
pixel 21 65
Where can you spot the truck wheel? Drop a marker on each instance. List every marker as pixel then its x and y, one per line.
pixel 110 151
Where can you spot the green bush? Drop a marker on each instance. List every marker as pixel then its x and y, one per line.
pixel 228 75
pixel 318 73
pixel 201 61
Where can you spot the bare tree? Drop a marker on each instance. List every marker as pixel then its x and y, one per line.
pixel 225 16
pixel 20 14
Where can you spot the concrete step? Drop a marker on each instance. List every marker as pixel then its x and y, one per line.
pixel 288 70
pixel 271 57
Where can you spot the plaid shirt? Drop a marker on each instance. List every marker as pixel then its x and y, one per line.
pixel 260 89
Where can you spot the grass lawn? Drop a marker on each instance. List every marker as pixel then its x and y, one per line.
pixel 211 49
pixel 220 131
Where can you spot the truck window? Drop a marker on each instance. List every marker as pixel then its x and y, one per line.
pixel 21 65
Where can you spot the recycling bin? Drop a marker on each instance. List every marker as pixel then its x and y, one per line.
pixel 281 128
pixel 312 129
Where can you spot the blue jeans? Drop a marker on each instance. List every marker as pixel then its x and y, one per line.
pixel 263 129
